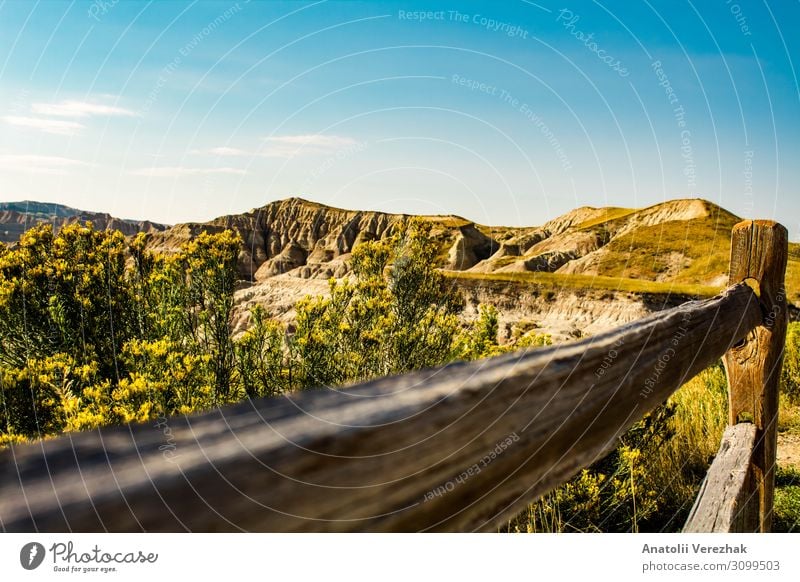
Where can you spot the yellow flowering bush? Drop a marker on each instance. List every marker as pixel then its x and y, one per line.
pixel 96 329
pixel 396 314
pixel 89 337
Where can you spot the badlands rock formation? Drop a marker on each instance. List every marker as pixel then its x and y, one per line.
pixel 307 240
pixel 18 217
pixel 292 247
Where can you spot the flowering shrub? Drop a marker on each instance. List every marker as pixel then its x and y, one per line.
pixel 89 338
pixel 98 330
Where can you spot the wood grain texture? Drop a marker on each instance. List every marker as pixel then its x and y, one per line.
pixel 759 251
pixel 458 448
pixel 723 504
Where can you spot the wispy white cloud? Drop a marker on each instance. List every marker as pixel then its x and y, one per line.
pixel 286 146
pixel 312 140
pixel 41 116
pixel 57 126
pixel 178 171
pixel 226 151
pixel 289 146
pixel 29 163
pixel 80 109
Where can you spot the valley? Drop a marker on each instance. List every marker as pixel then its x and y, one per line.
pixel 578 274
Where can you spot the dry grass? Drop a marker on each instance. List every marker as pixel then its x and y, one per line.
pixel 446 221
pixel 610 213
pixel 646 252
pixel 793 274
pixel 788 416
pixel 564 281
pixel 701 414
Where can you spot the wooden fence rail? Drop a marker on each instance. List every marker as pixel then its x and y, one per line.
pixel 728 488
pixel 759 251
pixel 458 448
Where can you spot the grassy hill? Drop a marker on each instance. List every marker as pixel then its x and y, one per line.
pixel 42 210
pixel 680 246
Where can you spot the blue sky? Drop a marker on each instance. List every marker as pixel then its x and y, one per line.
pixel 503 112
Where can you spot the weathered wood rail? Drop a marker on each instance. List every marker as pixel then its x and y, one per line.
pixel 458 448
pixel 759 252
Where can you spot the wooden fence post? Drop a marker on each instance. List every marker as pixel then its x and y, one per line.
pixel 759 250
